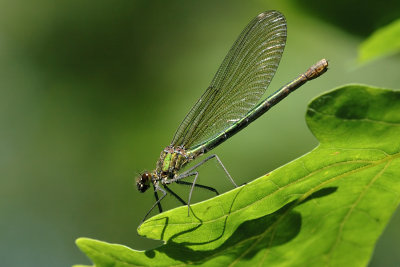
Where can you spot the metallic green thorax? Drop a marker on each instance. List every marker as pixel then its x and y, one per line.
pixel 171 161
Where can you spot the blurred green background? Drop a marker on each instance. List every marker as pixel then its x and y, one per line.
pixel 91 92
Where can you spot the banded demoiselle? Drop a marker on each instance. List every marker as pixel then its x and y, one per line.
pixel 228 105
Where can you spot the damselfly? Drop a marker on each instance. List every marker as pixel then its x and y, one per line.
pixel 228 105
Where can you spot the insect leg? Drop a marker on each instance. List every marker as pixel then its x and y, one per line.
pixel 185 174
pixel 199 186
pixel 157 203
pixel 175 195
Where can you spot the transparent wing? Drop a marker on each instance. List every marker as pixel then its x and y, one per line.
pixel 239 83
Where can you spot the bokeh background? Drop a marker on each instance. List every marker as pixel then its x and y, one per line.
pixel 92 91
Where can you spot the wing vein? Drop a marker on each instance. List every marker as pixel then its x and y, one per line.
pixel 239 83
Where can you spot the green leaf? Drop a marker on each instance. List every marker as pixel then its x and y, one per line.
pixel 383 42
pixel 326 208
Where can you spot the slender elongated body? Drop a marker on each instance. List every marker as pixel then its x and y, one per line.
pixel 228 105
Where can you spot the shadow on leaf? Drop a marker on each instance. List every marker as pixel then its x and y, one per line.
pixel 270 230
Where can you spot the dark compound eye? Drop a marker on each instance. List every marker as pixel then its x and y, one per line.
pixel 145 176
pixel 143 182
